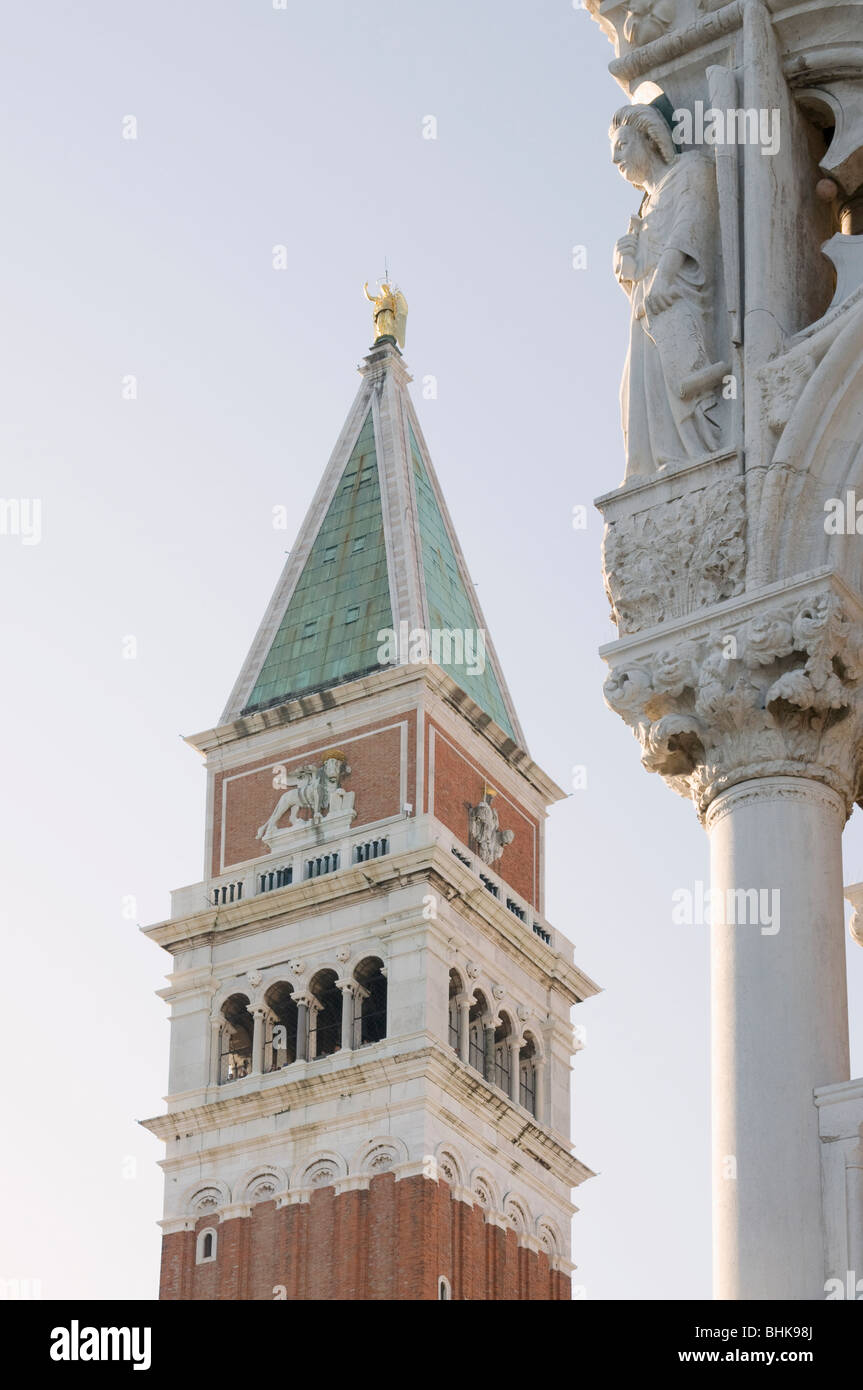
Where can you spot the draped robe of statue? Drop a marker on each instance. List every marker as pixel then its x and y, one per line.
pixel 662 407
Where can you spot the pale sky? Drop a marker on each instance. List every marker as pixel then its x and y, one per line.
pixel 153 258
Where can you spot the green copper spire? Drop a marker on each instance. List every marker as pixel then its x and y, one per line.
pixel 447 599
pixel 342 600
pixel 377 553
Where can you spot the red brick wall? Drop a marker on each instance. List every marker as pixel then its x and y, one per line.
pixel 249 797
pixel 458 780
pixel 391 1242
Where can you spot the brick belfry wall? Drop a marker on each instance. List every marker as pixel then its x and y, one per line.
pixel 392 1241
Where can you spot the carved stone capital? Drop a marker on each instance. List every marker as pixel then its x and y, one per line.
pixel 310 1000
pixel 768 687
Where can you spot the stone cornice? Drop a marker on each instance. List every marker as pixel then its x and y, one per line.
pixel 373 684
pixel 660 52
pixel 430 863
pixel 730 613
pixel 839 1092
pixel 431 1063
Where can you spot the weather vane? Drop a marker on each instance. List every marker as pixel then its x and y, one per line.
pixel 391 310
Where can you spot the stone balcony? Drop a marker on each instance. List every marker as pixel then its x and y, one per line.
pixel 313 858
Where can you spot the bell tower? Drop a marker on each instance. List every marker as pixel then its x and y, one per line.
pixel 371 1045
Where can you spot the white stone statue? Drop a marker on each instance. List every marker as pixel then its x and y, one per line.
pixel 486 833
pixel 316 788
pixel 665 264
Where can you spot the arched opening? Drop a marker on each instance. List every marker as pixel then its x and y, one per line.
pixel 455 989
pixel 444 1291
pixel 235 1038
pixel 372 1022
pixel 325 1023
pixel 503 1035
pixel 205 1246
pixel 476 1026
pixel 280 1035
pixel 527 1074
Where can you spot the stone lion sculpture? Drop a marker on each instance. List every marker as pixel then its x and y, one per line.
pixel 317 787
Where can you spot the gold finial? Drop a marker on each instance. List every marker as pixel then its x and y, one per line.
pixel 391 312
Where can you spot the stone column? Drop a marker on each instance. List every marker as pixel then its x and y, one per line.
pixel 514 1069
pixel 360 994
pixel 854 1208
pixel 464 1007
pixel 314 1008
pixel 215 1050
pixel 257 1041
pixel 488 1060
pixel 539 1089
pixel 757 716
pixel 779 1028
pixel 302 1001
pixel 347 989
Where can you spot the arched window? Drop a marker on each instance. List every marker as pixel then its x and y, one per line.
pixel 235 1036
pixel 444 1291
pixel 503 1053
pixel 280 1035
pixel 325 1024
pixel 372 1022
pixel 455 989
pixel 527 1074
pixel 205 1246
pixel 477 1016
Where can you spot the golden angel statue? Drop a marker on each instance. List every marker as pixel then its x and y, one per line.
pixel 391 312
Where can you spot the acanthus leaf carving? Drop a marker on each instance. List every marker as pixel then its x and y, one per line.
pixel 779 695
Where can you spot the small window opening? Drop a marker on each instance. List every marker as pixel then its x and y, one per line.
pixel 206 1247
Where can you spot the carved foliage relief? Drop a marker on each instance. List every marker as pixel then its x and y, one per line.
pixel 775 694
pixel 676 557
